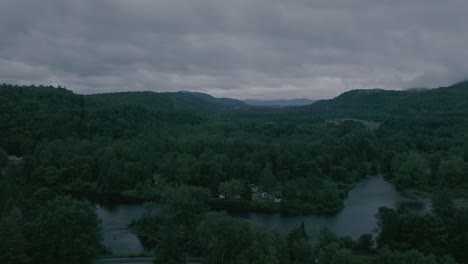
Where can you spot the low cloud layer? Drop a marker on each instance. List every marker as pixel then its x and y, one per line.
pixel 242 49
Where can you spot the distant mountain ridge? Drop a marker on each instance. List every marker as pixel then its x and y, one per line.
pixel 379 103
pixel 203 102
pixel 371 104
pixel 280 103
pixel 171 101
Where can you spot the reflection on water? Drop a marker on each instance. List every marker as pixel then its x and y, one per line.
pixel 356 218
pixel 116 237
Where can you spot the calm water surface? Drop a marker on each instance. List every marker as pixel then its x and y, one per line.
pixel 356 218
pixel 115 236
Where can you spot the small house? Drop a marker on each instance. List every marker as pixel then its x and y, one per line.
pixel 15 159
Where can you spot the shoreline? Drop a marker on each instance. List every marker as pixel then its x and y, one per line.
pixel 216 204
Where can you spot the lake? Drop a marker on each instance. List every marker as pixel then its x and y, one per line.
pixel 356 218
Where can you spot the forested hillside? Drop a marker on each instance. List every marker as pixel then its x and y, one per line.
pixel 196 152
pixel 383 104
pixel 178 101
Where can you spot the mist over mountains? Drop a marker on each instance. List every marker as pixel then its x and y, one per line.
pixel 280 103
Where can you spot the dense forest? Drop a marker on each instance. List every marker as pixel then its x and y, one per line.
pixel 199 154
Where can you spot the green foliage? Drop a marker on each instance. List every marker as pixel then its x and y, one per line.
pixel 178 168
pixel 333 254
pixel 231 240
pixel 439 234
pixel 299 247
pixel 411 257
pixel 331 249
pixel 329 197
pixel 12 241
pixel 268 180
pixel 413 171
pixel 65 230
pixel 458 235
pixel 162 145
pixel 169 251
pixel 230 189
pixel 443 102
pixel 387 223
pixel 184 203
pixel 3 158
pixel 365 242
pixel 442 204
pixel 427 233
pixel 452 171
pixel 173 231
pixel 118 142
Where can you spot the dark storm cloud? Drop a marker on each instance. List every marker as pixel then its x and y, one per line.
pixel 242 48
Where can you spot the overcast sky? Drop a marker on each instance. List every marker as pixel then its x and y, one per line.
pixel 234 48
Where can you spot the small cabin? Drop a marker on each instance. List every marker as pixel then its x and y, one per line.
pixel 15 159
